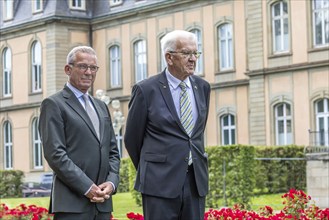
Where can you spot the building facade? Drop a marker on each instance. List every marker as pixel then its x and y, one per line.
pixel 266 61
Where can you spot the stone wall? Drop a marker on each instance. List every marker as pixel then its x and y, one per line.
pixel 317 171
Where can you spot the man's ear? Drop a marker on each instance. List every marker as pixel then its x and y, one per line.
pixel 67 70
pixel 168 58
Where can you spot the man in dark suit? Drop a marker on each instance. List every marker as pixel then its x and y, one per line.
pixel 79 144
pixel 170 158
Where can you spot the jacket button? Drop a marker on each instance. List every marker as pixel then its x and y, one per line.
pixel 186 159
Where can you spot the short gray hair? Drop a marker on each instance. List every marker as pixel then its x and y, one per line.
pixel 79 49
pixel 169 41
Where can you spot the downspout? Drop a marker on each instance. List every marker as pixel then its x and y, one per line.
pixel 91 45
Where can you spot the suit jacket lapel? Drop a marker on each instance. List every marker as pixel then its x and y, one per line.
pixel 166 94
pixel 76 106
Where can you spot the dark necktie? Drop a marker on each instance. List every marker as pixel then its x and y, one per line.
pixel 186 116
pixel 91 113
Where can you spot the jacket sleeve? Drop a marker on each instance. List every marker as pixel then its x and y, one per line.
pixel 136 124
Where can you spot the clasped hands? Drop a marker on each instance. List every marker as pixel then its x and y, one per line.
pixel 100 193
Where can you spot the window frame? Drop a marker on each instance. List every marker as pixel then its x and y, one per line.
pixel 140 55
pixel 230 128
pixel 36 71
pixel 199 65
pixel 163 63
pixel 115 66
pixel 283 19
pixel 35 3
pixel 37 153
pixel 225 53
pixel 8 145
pixel 323 139
pixel 73 4
pixel 321 11
pixel 6 72
pixel 8 10
pixel 116 2
pixel 284 118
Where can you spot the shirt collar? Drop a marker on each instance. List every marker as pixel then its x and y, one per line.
pixel 76 91
pixel 174 82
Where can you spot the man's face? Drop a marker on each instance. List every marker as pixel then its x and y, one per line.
pixel 82 72
pixel 181 63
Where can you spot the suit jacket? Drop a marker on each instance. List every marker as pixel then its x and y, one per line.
pixel 157 142
pixel 75 154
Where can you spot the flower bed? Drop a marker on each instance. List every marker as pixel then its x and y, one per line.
pixel 297 206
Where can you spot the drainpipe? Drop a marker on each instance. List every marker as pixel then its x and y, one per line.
pixel 91 45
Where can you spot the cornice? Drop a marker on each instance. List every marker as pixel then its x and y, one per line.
pixel 42 22
pixel 20 107
pixel 235 83
pixel 287 68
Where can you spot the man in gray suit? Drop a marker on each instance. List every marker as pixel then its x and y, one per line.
pixel 79 144
pixel 165 144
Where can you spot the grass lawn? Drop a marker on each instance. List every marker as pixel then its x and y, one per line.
pixel 123 203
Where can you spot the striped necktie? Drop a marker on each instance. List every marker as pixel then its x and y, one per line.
pixel 91 113
pixel 186 116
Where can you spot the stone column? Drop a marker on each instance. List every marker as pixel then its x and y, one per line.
pixel 317 171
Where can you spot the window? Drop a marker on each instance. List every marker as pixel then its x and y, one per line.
pixel 163 62
pixel 140 60
pixel 8 9
pixel 37 147
pixel 225 43
pixel 283 125
pixel 37 5
pixel 320 22
pixel 115 66
pixel 36 67
pixel 6 77
pixel 78 4
pixel 8 145
pixel 227 124
pixel 115 2
pixel 199 64
pixel 280 27
pixel 322 121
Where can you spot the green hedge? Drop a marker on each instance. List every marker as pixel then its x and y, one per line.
pixel 11 183
pixel 246 175
pixel 231 176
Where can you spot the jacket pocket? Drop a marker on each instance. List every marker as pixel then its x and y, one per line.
pixel 150 157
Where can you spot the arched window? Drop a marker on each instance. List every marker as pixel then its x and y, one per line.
pixel 322 121
pixel 6 72
pixel 36 145
pixel 225 50
pixel 227 125
pixel 8 145
pixel 199 64
pixel 280 27
pixel 140 60
pixel 283 124
pixel 115 66
pixel 36 67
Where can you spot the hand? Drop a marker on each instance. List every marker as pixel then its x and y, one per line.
pixel 93 194
pixel 101 193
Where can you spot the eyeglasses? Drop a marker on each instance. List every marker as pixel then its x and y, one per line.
pixel 84 67
pixel 188 54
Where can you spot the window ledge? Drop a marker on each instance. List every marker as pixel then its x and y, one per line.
pixel 318 49
pixel 225 71
pixel 278 55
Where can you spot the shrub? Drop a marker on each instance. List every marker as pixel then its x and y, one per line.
pixel 11 183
